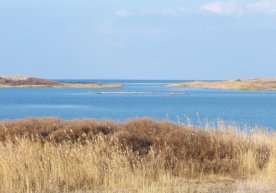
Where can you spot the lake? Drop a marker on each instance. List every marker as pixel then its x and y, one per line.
pixel 141 99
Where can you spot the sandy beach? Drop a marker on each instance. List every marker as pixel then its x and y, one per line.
pixel 30 82
pixel 252 84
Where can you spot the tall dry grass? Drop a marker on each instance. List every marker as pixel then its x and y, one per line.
pixel 50 156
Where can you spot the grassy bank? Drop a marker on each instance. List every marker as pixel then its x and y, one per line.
pixel 31 82
pixel 50 155
pixel 268 84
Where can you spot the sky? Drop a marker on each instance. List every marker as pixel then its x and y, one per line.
pixel 156 39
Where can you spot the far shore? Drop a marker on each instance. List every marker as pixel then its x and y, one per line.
pixel 265 84
pixel 30 82
pixel 91 86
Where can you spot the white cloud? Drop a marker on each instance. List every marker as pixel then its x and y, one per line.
pixel 218 7
pixel 165 11
pixel 264 6
pixel 156 11
pixel 123 13
pixel 222 7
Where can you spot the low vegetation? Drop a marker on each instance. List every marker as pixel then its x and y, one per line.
pixel 30 82
pixel 18 81
pixel 268 84
pixel 51 156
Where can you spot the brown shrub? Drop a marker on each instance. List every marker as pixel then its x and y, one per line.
pixel 180 149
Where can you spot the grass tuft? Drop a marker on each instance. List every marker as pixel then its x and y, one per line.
pixel 51 155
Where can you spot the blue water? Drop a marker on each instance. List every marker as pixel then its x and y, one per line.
pixel 141 99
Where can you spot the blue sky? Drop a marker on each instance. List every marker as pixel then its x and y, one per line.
pixel 157 39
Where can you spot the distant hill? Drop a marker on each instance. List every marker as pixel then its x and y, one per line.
pixel 31 82
pixel 23 80
pixel 252 84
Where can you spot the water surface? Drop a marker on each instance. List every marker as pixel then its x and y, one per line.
pixel 141 99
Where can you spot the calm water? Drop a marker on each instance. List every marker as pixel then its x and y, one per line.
pixel 141 99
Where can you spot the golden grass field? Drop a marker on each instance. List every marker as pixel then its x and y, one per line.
pixel 138 156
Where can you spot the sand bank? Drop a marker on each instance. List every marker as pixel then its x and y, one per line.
pixel 30 82
pixel 252 84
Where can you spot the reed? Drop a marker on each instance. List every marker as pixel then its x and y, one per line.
pixel 51 155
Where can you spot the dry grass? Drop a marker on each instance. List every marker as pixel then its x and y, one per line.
pixel 30 82
pixel 50 155
pixel 21 80
pixel 251 84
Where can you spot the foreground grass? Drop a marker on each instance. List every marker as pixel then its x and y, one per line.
pixel 50 156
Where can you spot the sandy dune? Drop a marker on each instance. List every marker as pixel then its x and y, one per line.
pixel 30 82
pixel 252 84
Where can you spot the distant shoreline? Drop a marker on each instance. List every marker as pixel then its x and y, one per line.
pixel 31 82
pixel 265 84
